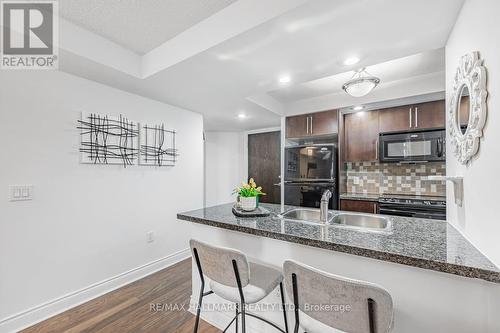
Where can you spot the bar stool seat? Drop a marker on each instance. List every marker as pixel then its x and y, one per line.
pixel 263 280
pixel 329 303
pixel 237 279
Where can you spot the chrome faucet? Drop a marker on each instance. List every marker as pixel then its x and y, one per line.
pixel 323 210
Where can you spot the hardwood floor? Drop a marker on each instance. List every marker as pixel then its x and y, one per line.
pixel 131 308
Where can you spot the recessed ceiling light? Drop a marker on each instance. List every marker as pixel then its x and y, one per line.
pixel 285 79
pixel 242 116
pixel 358 108
pixel 351 61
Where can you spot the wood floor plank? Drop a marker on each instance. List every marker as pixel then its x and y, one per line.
pixel 100 317
pixel 131 308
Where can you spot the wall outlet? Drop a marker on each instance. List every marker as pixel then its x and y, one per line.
pixel 150 237
pixel 20 192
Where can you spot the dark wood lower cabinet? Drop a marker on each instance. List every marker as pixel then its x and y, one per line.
pixel 359 206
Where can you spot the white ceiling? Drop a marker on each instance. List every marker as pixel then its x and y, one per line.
pixel 224 71
pixel 390 71
pixel 139 25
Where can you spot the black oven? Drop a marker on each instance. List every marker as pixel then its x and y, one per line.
pixel 308 194
pixel 310 170
pixel 425 208
pixel 422 146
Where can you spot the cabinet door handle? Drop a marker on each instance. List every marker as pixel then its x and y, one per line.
pixel 376 150
pixel 440 147
pixel 374 209
pixel 416 117
pixel 307 125
pixel 311 124
pixel 410 117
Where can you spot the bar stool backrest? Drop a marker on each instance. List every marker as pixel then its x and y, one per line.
pixel 346 300
pixel 217 263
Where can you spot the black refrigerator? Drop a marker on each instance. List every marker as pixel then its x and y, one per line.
pixel 310 170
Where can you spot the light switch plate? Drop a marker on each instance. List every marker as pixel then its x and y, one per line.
pixel 20 192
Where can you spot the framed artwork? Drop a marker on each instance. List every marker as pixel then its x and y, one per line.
pixel 108 140
pixel 157 145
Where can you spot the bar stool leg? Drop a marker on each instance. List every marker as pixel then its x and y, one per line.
pixel 237 314
pixel 200 300
pixel 283 307
pixel 198 311
pixel 295 302
pixel 243 327
pixel 242 297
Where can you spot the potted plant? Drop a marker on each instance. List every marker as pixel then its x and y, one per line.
pixel 248 194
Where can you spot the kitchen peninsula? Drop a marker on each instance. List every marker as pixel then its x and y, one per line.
pixel 425 257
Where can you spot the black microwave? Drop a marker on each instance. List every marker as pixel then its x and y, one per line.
pixel 422 146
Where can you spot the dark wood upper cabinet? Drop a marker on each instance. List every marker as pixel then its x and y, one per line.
pixel 411 117
pixel 318 123
pixel 297 126
pixel 324 123
pixel 361 134
pixel 430 115
pixel 395 119
pixel 359 206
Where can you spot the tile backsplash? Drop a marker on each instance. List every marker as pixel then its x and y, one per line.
pixel 395 178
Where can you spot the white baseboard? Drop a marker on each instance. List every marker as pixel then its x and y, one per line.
pixel 51 308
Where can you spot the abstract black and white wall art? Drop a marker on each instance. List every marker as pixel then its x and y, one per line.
pixel 108 140
pixel 157 145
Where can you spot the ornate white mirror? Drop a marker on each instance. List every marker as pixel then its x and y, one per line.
pixel 467 111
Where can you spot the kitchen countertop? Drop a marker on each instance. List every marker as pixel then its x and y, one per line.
pixel 428 244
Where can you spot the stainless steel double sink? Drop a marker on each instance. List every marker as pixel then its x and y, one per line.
pixel 368 222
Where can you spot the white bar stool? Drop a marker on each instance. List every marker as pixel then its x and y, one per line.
pixel 327 303
pixel 235 279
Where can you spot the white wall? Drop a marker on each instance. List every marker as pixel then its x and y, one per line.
pixel 87 223
pixel 478 29
pixel 224 166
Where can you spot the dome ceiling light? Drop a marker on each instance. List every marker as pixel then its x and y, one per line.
pixel 285 79
pixel 361 83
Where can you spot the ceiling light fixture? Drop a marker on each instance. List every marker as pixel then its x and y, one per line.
pixel 358 108
pixel 361 83
pixel 285 79
pixel 242 116
pixel 351 61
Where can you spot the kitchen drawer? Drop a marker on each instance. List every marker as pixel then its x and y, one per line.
pixel 359 206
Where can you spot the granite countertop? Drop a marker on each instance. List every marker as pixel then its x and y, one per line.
pixel 423 243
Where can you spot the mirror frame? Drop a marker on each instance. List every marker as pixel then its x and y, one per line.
pixel 470 73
